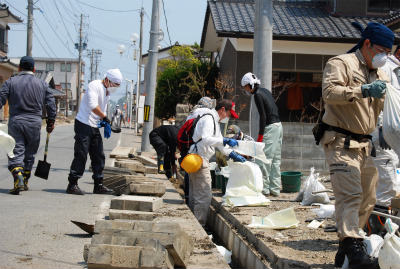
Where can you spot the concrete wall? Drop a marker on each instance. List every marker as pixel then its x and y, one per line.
pixel 299 151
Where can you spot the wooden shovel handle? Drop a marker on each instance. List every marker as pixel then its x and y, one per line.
pixel 46 146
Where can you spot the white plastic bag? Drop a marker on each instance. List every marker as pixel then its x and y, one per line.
pixel 312 185
pixel 253 149
pixel 389 255
pixel 391 118
pixel 282 219
pixel 324 211
pixel 7 142
pixel 244 185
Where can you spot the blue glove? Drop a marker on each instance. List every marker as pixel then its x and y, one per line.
pixel 375 89
pixel 231 142
pixel 236 157
pixel 107 128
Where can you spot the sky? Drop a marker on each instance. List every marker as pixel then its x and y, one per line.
pixel 107 24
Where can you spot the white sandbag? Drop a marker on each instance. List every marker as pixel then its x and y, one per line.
pixel 7 142
pixel 389 255
pixel 391 118
pixel 225 253
pixel 324 211
pixel 253 149
pixel 313 185
pixel 244 185
pixel 282 219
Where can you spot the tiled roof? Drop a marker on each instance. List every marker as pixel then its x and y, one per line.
pixel 291 20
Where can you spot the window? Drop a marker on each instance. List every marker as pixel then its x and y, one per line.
pixel 383 5
pixel 65 84
pixel 63 67
pixel 49 66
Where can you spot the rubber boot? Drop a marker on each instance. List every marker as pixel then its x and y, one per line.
pixel 18 180
pixel 356 252
pixel 160 165
pixel 27 175
pixel 73 187
pixel 340 256
pixel 99 188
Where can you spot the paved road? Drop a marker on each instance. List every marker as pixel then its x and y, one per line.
pixel 36 231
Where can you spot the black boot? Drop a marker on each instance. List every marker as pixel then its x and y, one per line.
pixel 27 175
pixel 340 255
pixel 73 187
pixel 18 180
pixel 356 252
pixel 99 188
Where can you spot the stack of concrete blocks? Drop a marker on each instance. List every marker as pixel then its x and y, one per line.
pixel 135 184
pixel 182 111
pixel 138 244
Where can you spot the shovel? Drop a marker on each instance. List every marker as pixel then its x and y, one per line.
pixel 89 228
pixel 43 167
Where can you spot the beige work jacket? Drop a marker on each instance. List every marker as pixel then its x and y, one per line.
pixel 345 106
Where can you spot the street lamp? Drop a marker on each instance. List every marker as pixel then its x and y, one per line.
pixel 121 49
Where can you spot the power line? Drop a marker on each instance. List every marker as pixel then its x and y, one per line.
pixel 166 23
pixel 40 43
pixel 65 27
pixel 73 7
pixel 108 10
pixel 55 32
pixel 40 32
pixel 15 8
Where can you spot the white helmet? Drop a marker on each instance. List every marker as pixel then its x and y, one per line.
pixel 250 78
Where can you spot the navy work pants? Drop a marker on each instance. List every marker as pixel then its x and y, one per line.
pixel 27 139
pixel 163 152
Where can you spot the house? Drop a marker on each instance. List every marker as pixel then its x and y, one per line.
pixel 305 35
pixel 7 68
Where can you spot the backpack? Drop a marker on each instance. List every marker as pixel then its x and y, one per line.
pixel 185 134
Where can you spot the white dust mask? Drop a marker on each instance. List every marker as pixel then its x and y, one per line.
pixel 379 60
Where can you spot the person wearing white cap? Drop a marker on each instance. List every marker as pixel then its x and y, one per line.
pixel 91 116
pixel 270 133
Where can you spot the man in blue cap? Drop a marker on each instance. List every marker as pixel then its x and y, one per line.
pixel 27 96
pixel 353 87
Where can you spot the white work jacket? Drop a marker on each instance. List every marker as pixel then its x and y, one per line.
pixel 204 130
pixel 94 96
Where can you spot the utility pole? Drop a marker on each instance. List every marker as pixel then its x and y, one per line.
pixel 97 54
pixel 139 71
pixel 29 29
pixel 91 64
pixel 151 73
pixel 66 89
pixel 262 55
pixel 80 45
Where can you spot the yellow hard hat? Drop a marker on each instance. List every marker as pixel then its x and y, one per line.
pixel 192 163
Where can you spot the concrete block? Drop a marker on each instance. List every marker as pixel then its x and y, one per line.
pixel 313 153
pixel 291 141
pixel 136 203
pixel 151 170
pixel 307 128
pixel 147 188
pixel 309 140
pixel 109 171
pixel 290 128
pixel 130 215
pixel 291 152
pixel 291 164
pixel 132 165
pixel 146 160
pixel 121 152
pixel 171 235
pixel 115 256
pixel 319 165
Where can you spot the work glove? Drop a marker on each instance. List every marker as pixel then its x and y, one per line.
pixel 260 138
pixel 107 127
pixel 231 142
pixel 382 142
pixel 105 119
pixel 375 89
pixel 50 125
pixel 236 157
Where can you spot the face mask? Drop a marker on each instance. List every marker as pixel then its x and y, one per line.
pixel 379 60
pixel 111 90
pixel 246 92
pixel 225 120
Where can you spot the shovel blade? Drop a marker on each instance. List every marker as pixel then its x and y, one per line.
pixel 89 228
pixel 42 169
